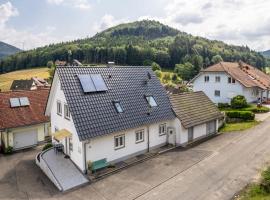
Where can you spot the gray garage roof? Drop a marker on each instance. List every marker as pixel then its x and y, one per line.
pixel 94 113
pixel 194 108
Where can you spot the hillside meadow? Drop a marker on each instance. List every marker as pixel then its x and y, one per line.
pixel 6 79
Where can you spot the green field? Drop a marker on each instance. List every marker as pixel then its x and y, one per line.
pixel 6 79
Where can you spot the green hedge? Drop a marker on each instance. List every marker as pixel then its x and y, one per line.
pixel 223 105
pixel 47 146
pixel 244 115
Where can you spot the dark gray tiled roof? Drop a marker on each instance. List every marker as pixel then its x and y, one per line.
pixel 94 114
pixel 194 108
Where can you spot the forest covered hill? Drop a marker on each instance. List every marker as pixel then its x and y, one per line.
pixel 7 49
pixel 137 43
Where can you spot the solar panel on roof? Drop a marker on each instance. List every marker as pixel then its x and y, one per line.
pixel 14 102
pixel 87 83
pixel 99 82
pixel 24 101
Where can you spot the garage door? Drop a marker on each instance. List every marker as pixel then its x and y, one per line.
pixel 24 139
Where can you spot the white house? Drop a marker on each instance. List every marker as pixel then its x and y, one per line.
pixel 114 113
pixel 224 80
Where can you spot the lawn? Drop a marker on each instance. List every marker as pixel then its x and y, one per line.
pixel 6 79
pixel 258 190
pixel 228 127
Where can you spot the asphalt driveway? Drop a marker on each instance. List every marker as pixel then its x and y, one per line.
pixel 215 169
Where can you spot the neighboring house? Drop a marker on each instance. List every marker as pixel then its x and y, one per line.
pixel 22 120
pixel 23 85
pixel 32 84
pixel 119 112
pixel 224 80
pixel 197 117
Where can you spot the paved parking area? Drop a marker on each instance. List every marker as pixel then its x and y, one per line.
pixel 215 169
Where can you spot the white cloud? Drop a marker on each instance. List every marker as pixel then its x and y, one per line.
pixel 107 21
pixel 22 39
pixel 241 22
pixel 7 11
pixel 80 4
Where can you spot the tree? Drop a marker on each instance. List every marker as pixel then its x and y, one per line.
pixel 184 70
pixel 216 59
pixel 155 66
pixel 50 64
pixel 176 79
pixel 166 78
pixel 158 73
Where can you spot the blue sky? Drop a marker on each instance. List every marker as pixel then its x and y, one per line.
pixel 34 23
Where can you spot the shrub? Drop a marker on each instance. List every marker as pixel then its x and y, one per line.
pixel 155 66
pixel 265 183
pixel 239 101
pixel 47 146
pixel 8 150
pixel 223 105
pixel 243 115
pixel 158 73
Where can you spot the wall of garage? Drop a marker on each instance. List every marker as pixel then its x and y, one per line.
pixel 199 132
pixel 42 131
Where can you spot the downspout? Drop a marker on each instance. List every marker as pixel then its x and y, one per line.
pixel 148 140
pixel 85 157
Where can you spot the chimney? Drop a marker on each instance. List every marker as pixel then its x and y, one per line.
pixel 240 64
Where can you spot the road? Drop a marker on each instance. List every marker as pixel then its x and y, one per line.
pixel 215 169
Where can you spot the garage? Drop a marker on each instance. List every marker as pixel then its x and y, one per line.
pixel 24 139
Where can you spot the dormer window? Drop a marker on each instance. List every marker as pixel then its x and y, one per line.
pixel 118 106
pixel 151 101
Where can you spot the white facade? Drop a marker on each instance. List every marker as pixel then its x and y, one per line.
pixel 222 87
pixel 83 152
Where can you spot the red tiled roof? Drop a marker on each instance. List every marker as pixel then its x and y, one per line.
pixel 246 74
pixel 23 116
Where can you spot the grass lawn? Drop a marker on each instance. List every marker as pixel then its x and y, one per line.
pixel 253 192
pixel 6 79
pixel 258 190
pixel 238 126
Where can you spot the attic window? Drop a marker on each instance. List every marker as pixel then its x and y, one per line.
pixel 118 106
pixel 151 101
pixel 92 83
pixel 18 102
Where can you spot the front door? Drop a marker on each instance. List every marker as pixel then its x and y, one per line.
pixel 171 136
pixel 190 134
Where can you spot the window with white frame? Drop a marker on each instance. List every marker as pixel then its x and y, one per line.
pixel 70 143
pixel 66 111
pixel 139 136
pixel 119 141
pixel 162 129
pixel 217 79
pixel 231 80
pixel 151 101
pixel 217 93
pixel 59 108
pixel 206 79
